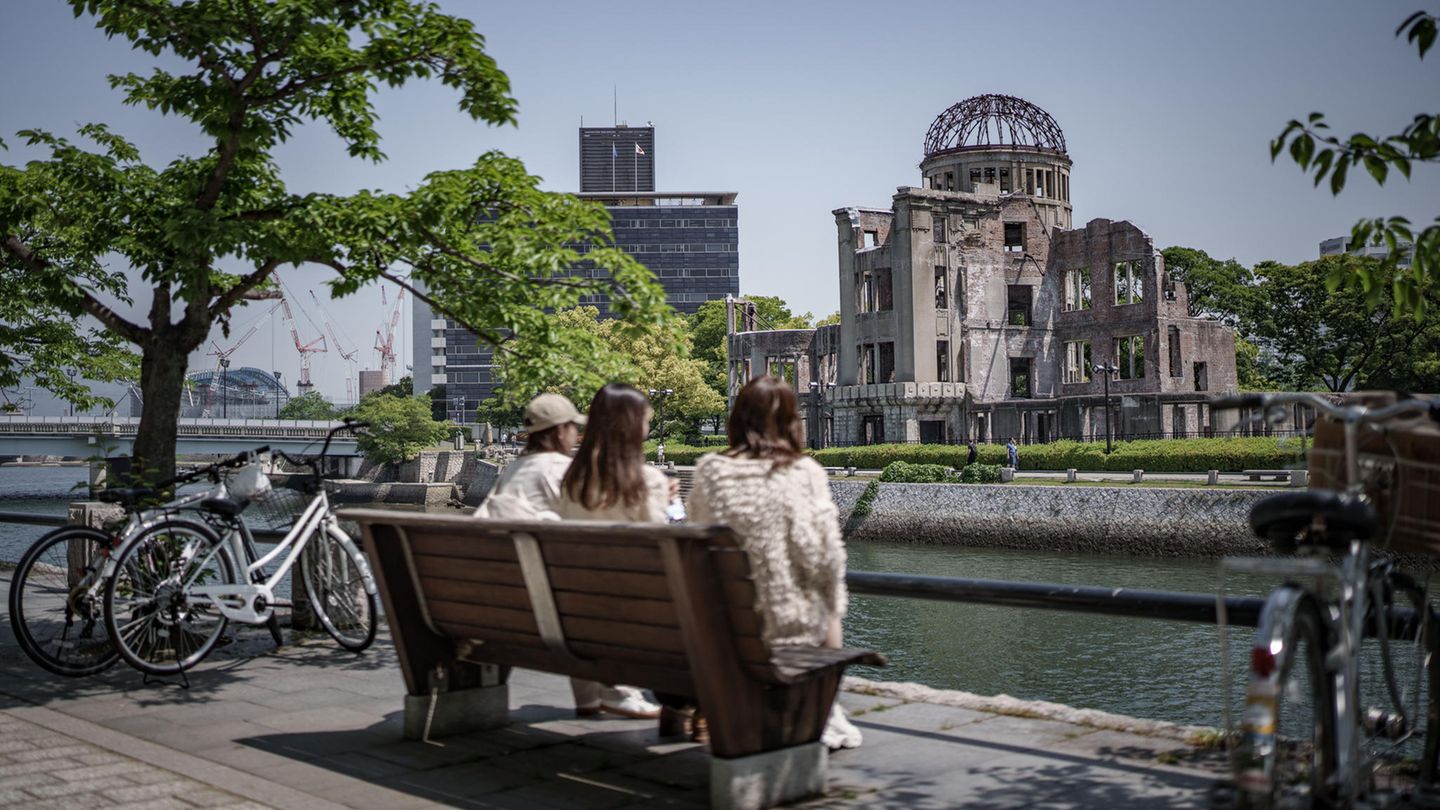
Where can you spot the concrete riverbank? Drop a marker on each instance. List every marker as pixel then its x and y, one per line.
pixel 1111 520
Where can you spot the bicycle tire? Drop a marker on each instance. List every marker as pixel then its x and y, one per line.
pixel 147 636
pixel 1296 772
pixel 336 590
pixel 41 586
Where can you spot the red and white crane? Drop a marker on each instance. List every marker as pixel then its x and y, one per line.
pixel 316 346
pixel 385 336
pixel 348 357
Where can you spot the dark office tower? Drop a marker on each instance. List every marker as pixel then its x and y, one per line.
pixel 688 239
pixel 617 158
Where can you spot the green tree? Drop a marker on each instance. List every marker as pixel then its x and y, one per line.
pixel 1218 289
pixel 205 231
pixel 501 414
pixel 403 387
pixel 1319 338
pixel 833 319
pixel 309 405
pixel 646 360
pixel 1317 151
pixel 400 427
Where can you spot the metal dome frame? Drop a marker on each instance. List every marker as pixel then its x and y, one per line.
pixel 994 121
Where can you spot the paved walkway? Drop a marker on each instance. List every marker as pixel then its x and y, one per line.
pixel 310 726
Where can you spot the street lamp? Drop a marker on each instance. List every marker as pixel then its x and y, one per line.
pixel 224 388
pixel 1107 368
pixel 279 387
pixel 661 394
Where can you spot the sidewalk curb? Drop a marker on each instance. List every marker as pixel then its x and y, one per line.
pixel 221 777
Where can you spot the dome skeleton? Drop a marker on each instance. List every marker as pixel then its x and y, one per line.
pixel 996 121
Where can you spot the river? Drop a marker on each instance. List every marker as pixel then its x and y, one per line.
pixel 1147 668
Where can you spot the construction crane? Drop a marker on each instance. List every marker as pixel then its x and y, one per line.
pixel 316 346
pixel 222 361
pixel 348 357
pixel 385 336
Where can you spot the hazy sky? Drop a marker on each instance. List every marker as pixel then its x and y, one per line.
pixel 804 107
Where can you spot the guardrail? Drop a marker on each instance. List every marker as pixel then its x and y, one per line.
pixel 32 519
pixel 129 426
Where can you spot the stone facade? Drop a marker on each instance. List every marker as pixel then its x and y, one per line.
pixel 970 308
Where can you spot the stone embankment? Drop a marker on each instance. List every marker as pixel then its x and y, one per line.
pixel 1111 520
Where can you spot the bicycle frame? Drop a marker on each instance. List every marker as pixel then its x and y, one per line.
pixel 254 601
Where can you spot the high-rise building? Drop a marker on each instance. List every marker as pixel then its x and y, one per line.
pixel 618 158
pixel 688 239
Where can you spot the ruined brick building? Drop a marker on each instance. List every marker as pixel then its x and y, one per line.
pixel 972 308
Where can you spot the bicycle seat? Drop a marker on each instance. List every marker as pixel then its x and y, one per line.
pixel 1283 519
pixel 227 507
pixel 125 496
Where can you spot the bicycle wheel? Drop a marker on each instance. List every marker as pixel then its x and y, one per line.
pixel 159 626
pixel 56 602
pixel 1287 752
pixel 336 590
pixel 1395 688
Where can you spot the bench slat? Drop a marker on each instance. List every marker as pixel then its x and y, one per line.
pixel 488 546
pixel 602 557
pixel 617 656
pixel 456 590
pixel 481 571
pixel 600 606
pixel 520 621
pixel 624 634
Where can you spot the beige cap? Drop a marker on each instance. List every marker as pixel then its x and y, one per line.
pixel 548 410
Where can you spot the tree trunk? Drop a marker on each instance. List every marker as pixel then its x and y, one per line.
pixel 162 380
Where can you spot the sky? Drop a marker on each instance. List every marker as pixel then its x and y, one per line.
pixel 803 107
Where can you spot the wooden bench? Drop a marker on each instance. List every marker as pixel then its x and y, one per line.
pixel 671 608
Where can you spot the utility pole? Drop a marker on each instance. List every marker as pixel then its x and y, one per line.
pixel 224 388
pixel 278 389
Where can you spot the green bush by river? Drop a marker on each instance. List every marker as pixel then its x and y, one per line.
pixel 1227 454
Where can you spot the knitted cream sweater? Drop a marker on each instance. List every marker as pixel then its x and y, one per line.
pixel 790 528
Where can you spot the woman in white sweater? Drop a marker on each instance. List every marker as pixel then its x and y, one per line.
pixel 778 501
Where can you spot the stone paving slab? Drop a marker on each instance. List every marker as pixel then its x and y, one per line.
pixel 310 725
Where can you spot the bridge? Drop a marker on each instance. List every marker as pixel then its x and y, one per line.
pixel 106 436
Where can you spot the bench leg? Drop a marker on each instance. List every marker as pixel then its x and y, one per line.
pixel 769 779
pixel 457 711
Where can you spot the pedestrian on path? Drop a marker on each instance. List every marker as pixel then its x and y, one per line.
pixel 1013 454
pixel 974 453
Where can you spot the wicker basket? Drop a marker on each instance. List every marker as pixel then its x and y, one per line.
pixel 1400 467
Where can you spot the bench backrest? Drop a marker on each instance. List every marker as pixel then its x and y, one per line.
pixel 599 601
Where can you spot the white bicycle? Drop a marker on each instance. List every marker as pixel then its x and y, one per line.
pixel 178 584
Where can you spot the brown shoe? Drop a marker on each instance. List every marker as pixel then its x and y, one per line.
pixel 675 722
pixel 700 729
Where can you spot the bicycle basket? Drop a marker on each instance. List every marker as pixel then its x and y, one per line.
pixel 1400 468
pixel 277 511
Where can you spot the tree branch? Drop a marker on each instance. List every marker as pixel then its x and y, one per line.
pixel 88 302
pixel 232 296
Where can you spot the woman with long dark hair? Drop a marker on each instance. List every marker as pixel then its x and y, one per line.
pixel 777 500
pixel 609 480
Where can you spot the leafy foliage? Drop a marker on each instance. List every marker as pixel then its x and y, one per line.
pixel 309 405
pixel 980 474
pixel 615 352
pixel 1161 455
pixel 400 427
pixel 906 473
pixel 1317 151
pixel 1218 289
pixel 490 248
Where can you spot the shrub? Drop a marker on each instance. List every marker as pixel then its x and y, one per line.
pixel 682 454
pixel 900 472
pixel 980 474
pixel 1158 455
pixel 865 502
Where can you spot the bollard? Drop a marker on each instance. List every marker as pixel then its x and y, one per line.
pixel 850 472
pixel 1139 476
pixel 1213 477
pixel 1070 476
pixel 1299 478
pixel 1007 474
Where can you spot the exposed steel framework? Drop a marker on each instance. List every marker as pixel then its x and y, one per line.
pixel 994 121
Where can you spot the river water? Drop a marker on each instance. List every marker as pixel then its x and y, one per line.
pixel 1162 670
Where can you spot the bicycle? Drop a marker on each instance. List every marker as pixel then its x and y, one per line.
pixel 56 591
pixel 1308 641
pixel 177 585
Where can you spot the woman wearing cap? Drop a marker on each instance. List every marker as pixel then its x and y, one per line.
pixel 529 488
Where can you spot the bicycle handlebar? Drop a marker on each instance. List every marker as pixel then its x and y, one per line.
pixel 1359 414
pixel 353 425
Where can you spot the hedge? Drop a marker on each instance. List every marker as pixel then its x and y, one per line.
pixel 1158 455
pixel 905 473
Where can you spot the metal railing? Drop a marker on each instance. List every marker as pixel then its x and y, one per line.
pixel 1099 438
pixel 130 425
pixel 33 519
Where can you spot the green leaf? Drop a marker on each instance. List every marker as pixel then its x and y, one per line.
pixel 1337 177
pixel 1377 168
